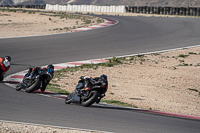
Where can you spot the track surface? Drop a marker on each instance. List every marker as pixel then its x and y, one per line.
pixel 132 35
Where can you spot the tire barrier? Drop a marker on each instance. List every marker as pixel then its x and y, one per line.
pixel 183 11
pixel 25 6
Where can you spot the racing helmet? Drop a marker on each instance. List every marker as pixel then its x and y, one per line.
pixel 6 63
pixel 8 58
pixel 103 76
pixel 50 68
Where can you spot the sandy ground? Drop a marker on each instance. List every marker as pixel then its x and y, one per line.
pixel 7 127
pixel 164 81
pixel 13 24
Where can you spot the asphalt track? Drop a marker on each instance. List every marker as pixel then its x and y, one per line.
pixel 132 35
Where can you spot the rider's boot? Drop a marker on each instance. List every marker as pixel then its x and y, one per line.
pixel 99 98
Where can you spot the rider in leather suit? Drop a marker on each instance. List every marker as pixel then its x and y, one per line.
pixel 38 70
pixel 97 82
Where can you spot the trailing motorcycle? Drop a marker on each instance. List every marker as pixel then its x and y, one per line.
pixel 87 97
pixel 37 81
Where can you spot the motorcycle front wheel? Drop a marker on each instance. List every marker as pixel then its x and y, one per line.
pixel 34 86
pixel 18 87
pixel 68 99
pixel 93 96
pixel 43 87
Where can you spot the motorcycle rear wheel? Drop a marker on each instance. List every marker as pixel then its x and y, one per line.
pixel 34 86
pixel 91 99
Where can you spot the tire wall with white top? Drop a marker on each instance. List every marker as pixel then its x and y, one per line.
pixel 86 8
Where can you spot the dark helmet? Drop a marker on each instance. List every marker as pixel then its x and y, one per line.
pixel 82 77
pixel 8 58
pixel 50 68
pixel 103 76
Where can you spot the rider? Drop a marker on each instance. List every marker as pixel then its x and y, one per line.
pixel 38 70
pixel 4 65
pixel 97 82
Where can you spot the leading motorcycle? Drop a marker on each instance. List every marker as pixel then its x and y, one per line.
pixel 87 97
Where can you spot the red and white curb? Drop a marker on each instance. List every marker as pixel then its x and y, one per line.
pixel 14 79
pixel 167 113
pixel 107 22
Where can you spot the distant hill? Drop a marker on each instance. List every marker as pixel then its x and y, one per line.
pixel 174 3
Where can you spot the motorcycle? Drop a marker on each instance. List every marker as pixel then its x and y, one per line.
pixel 86 97
pixel 37 81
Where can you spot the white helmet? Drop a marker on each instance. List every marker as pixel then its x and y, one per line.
pixel 6 63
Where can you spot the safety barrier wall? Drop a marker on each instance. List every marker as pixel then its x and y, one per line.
pixel 184 11
pixel 25 6
pixel 86 8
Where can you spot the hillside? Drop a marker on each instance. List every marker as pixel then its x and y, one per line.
pixel 176 3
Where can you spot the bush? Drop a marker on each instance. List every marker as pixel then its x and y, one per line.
pixel 183 56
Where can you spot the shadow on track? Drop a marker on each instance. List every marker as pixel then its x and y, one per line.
pixel 152 112
pixel 15 64
pixel 46 92
pixel 10 82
